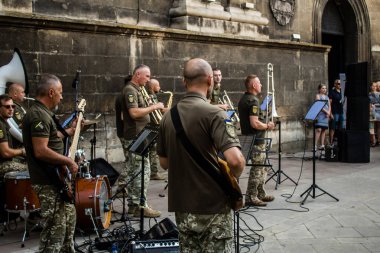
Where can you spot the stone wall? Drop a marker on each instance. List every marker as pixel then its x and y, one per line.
pixel 106 54
pixel 107 39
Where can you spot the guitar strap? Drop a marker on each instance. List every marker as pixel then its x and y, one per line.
pixel 196 155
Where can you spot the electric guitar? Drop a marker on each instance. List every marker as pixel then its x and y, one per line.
pixel 64 175
pixel 236 198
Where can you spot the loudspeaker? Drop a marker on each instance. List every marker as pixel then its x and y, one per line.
pixel 357 80
pixel 99 166
pixel 354 146
pixel 358 113
pixel 155 246
pixel 165 229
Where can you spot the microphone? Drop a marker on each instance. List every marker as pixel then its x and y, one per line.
pixel 76 79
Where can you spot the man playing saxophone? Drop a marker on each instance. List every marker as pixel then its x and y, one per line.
pixel 153 87
pixel 136 116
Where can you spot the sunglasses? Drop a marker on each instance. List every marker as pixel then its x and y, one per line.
pixel 9 106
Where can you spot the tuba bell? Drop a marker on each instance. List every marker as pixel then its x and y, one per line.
pixel 14 72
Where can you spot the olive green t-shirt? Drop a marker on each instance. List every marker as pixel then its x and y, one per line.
pixel 18 116
pixel 191 188
pixel 38 122
pixel 249 105
pixel 215 95
pixel 132 98
pixel 5 136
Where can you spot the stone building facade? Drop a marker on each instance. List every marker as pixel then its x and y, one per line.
pixel 308 43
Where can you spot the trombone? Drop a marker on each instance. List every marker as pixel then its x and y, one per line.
pixel 270 113
pixel 226 100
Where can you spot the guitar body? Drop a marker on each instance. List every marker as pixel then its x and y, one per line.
pixel 65 186
pixel 66 179
pixel 236 197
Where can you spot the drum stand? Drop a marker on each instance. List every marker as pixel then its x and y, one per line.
pixel 26 230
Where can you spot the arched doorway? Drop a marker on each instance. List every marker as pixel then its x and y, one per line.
pixel 345 26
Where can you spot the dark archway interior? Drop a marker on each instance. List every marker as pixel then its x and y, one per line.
pixel 339 30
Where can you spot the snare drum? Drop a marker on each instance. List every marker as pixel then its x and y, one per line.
pixel 91 197
pixel 19 192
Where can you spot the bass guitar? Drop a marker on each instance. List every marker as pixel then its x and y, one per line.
pixel 234 191
pixel 65 177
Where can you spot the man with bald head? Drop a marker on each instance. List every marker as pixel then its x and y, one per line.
pixel 45 152
pixel 136 117
pixel 153 87
pixel 17 92
pixel 202 211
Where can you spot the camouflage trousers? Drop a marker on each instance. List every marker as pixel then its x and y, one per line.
pixel 10 166
pixel 257 175
pixel 154 160
pixel 59 221
pixel 128 175
pixel 205 233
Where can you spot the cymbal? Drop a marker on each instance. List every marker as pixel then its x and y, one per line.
pixel 88 122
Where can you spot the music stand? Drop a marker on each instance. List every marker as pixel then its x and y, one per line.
pixel 141 146
pixel 311 116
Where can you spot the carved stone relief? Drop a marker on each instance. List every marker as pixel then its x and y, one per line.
pixel 283 10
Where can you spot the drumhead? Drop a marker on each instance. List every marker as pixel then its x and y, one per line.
pixel 17 175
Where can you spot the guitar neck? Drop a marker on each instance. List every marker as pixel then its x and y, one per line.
pixel 75 139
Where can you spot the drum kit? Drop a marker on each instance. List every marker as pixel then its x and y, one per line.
pixel 93 201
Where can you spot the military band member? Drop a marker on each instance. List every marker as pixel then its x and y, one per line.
pixel 44 147
pixel 136 117
pixel 252 123
pixel 7 152
pixel 217 90
pixel 153 87
pixel 202 212
pixel 17 92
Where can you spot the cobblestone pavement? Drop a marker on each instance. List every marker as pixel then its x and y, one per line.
pixel 321 225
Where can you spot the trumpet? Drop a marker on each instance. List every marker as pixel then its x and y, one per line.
pixel 270 113
pixel 156 115
pixel 226 100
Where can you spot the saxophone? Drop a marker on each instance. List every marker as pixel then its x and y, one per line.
pixel 156 115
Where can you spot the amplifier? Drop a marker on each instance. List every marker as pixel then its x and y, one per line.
pixel 155 246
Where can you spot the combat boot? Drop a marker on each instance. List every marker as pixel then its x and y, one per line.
pixel 148 213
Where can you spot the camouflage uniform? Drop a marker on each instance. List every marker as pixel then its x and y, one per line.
pixel 59 221
pixel 18 116
pixel 132 98
pixel 205 233
pixel 249 105
pixel 257 174
pixel 215 95
pixel 59 216
pixel 132 168
pixel 201 207
pixel 154 160
pixel 10 166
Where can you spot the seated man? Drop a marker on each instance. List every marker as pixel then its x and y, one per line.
pixel 7 152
